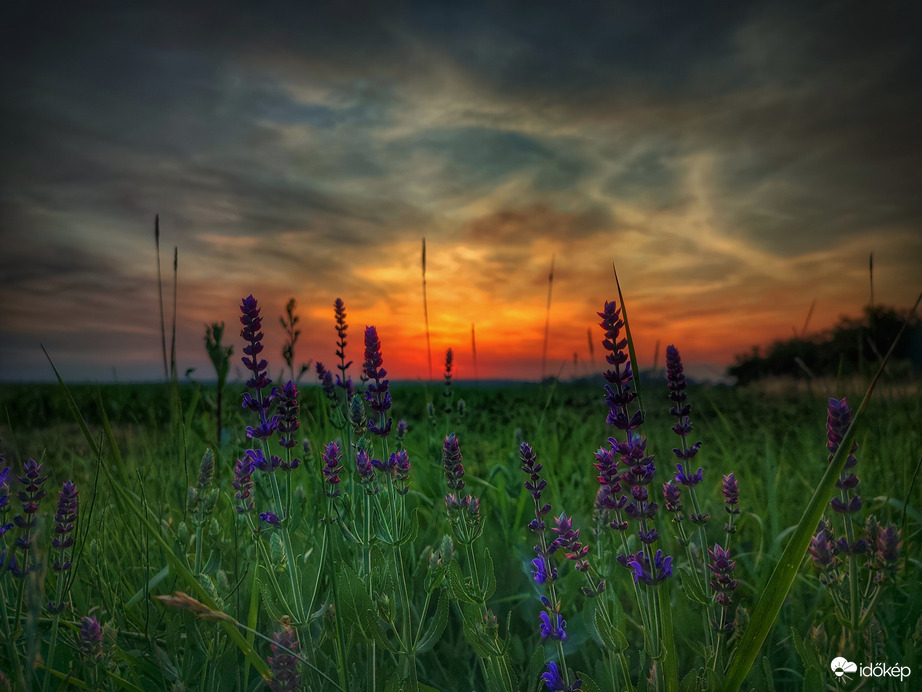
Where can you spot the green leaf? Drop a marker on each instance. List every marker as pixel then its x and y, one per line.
pixel 411 531
pixel 270 599
pixel 768 672
pixel 589 685
pixel 691 588
pixel 806 649
pixel 489 576
pixel 436 625
pixel 612 638
pixel 358 609
pixel 459 587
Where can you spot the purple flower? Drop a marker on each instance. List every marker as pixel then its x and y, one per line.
pixel 364 466
pixel 621 395
pixel 270 518
pixel 557 631
pixel 4 498
pixel 282 662
pixel 688 480
pixel 648 574
pixel 675 381
pixel 332 458
pixel 376 393
pixel 30 497
pixel 535 484
pixel 287 423
pixel 451 461
pixel 91 638
pixel 568 540
pixel 400 462
pixel 889 545
pixel 339 309
pixel 540 569
pixel 722 582
pixel 553 679
pixel 243 484
pixel 672 498
pixel 250 333
pixel 64 520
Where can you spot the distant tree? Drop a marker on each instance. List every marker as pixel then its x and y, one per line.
pixel 850 347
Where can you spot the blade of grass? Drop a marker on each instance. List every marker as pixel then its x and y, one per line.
pixel 166 369
pixel 779 584
pixel 547 317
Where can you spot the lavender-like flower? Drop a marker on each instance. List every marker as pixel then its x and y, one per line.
pixel 339 308
pixel 618 396
pixel 250 333
pixel 673 499
pixel 64 520
pixel 568 540
pixel 4 498
pixel 535 484
pixel 451 461
pixel 823 551
pixel 675 381
pixel 889 544
pixel 621 395
pixel 91 638
pixel 838 420
pixel 287 424
pixel 282 662
pixel 366 469
pixel 723 582
pixel 555 682
pixel 723 585
pixel 610 498
pixel 553 630
pixel 376 394
pixel 332 465
pixel 243 484
pixel 731 492
pixel 270 518
pixel 645 573
pixel 30 497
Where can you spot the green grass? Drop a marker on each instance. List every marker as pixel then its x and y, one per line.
pixel 139 525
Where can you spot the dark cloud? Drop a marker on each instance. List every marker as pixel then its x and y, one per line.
pixel 318 138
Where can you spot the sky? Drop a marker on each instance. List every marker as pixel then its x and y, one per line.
pixel 735 161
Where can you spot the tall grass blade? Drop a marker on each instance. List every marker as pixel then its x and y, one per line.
pixel 474 352
pixel 803 331
pixel 630 339
pixel 547 317
pixel 166 370
pixel 779 584
pixel 173 337
pixel 426 311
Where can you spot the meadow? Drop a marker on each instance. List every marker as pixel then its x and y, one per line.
pixel 434 536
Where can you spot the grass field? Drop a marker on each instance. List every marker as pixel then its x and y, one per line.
pixel 350 607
